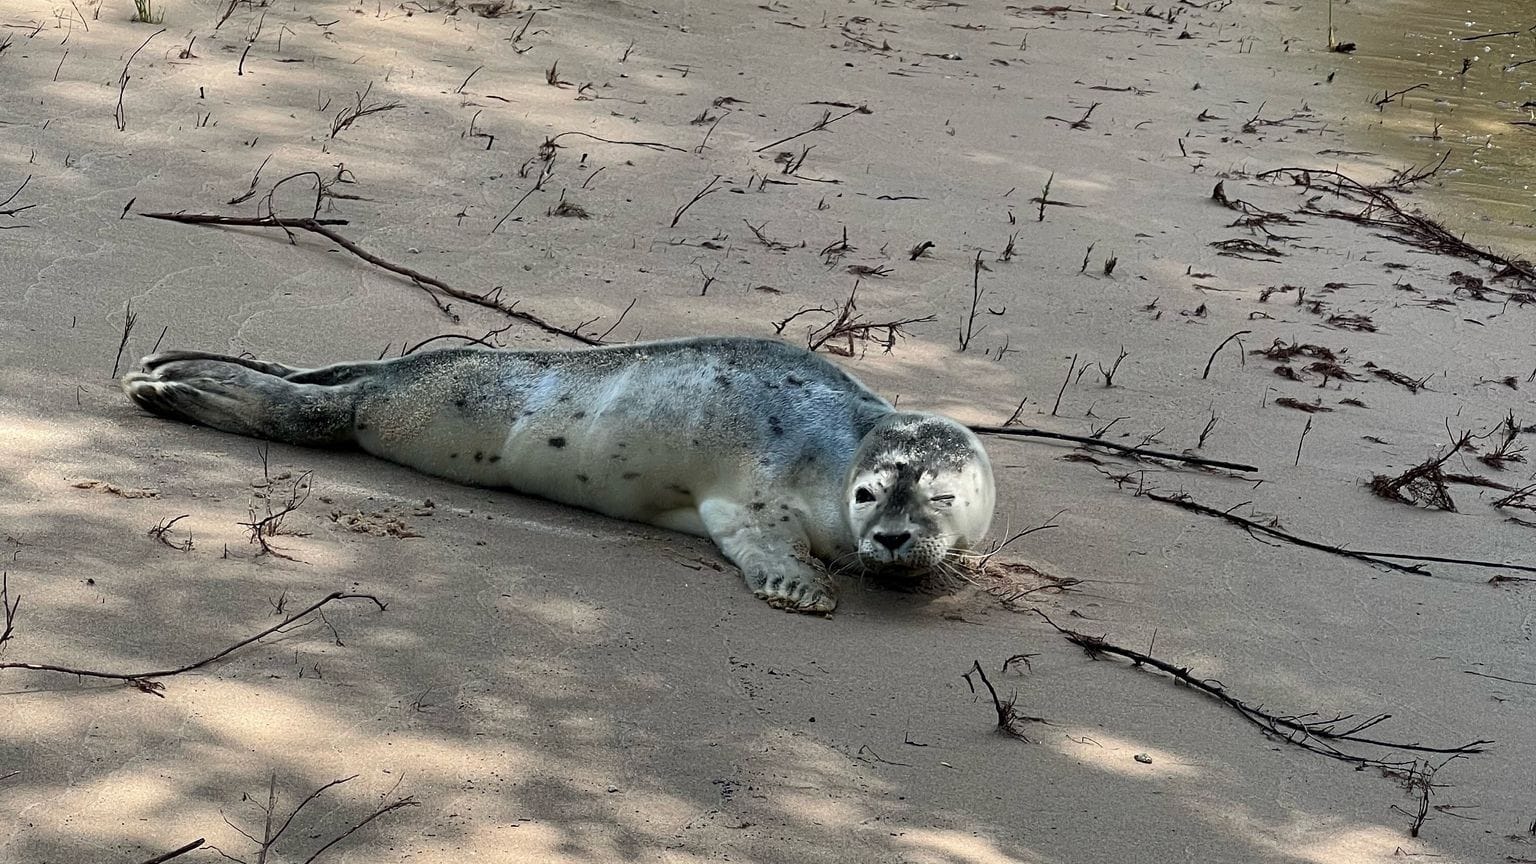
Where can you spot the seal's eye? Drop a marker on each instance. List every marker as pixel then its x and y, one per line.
pixel 946 500
pixel 862 495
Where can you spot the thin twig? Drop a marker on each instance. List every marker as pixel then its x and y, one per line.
pixel 652 145
pixel 4 211
pixel 482 340
pixel 1187 503
pixel 1302 440
pixel 144 680
pixel 620 320
pixel 1064 382
pixel 120 116
pixel 317 226
pixel 697 197
pixel 1025 432
pixel 1306 731
pixel 130 318
pixel 969 332
pixel 1379 209
pixel 1207 373
pixel 465 83
pixel 175 853
pixel 8 607
pixel 347 116
pixel 273 835
pixel 1008 720
pixel 826 120
pixel 387 808
pixel 1470 562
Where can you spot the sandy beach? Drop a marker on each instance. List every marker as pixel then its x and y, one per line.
pixel 547 685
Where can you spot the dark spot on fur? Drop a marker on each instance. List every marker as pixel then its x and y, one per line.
pixel 794 381
pixel 723 382
pixel 623 443
pixel 695 442
pixel 783 506
pixel 461 402
pixel 783 518
pixel 362 426
pixel 479 455
pixel 557 442
pixel 775 426
pixel 495 458
pixel 630 475
pixel 453 455
pixel 758 505
pixel 582 477
pixel 679 489
pixel 565 398
pixel 579 414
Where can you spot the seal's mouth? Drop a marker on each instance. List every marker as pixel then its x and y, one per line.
pixel 895 572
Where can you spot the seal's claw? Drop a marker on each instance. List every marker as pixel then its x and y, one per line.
pixel 796 595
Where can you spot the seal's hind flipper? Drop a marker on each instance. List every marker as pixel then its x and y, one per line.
pixel 238 395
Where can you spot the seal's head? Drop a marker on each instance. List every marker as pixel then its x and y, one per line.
pixel 920 486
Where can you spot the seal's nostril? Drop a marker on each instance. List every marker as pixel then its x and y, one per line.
pixel 893 542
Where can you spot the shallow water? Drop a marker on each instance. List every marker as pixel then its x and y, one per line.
pixel 1488 185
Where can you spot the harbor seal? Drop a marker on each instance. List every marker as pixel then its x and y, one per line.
pixel 778 456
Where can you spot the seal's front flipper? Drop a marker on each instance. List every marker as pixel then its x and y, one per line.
pixel 773 556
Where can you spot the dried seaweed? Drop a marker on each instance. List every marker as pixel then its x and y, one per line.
pixel 1423 485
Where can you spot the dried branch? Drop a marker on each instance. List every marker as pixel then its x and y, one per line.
pixel 1009 721
pixel 130 318
pixel 347 116
pixel 12 211
pixel 1520 499
pixel 271 524
pixel 145 682
pixel 164 526
pixel 1378 209
pixel 318 226
pixel 970 332
pixel 1183 500
pixel 1079 123
pixel 175 853
pixel 826 120
pixel 650 145
pixel 1207 373
pixel 1424 484
pixel 1141 452
pixel 1064 382
pixel 8 607
pixel 381 811
pixel 119 116
pixel 697 197
pixel 848 324
pixel 1308 731
pixel 266 844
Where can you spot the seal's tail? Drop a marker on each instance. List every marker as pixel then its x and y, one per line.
pixel 247 397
